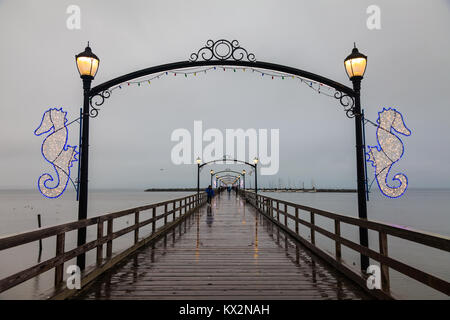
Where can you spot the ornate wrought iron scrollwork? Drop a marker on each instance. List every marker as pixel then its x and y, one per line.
pixel 348 102
pixel 97 100
pixel 222 50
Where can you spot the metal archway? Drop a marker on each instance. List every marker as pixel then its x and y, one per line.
pixel 224 159
pixel 229 179
pixel 228 170
pixel 235 56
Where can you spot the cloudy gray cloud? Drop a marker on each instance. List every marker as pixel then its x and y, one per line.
pixel 408 68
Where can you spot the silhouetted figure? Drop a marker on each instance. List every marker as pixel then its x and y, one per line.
pixel 210 194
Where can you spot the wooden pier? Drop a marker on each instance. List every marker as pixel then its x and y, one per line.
pixel 243 246
pixel 226 251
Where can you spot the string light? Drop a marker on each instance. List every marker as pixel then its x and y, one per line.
pixel 314 85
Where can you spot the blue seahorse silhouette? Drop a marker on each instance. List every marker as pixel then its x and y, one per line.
pixel 56 151
pixel 388 151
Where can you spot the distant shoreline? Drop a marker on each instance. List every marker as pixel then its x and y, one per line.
pixel 262 190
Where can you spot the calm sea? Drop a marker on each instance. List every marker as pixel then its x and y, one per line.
pixel 426 210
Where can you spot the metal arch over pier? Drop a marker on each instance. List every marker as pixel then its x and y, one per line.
pixel 231 63
pixel 227 160
pixel 212 55
pixel 232 171
pixel 242 246
pixel 229 179
pixel 233 55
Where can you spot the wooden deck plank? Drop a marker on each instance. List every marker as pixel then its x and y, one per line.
pixel 231 253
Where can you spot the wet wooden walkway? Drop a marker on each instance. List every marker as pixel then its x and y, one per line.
pixel 228 252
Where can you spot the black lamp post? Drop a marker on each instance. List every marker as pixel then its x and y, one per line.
pixel 199 161
pixel 355 66
pixel 87 64
pixel 211 172
pixel 255 161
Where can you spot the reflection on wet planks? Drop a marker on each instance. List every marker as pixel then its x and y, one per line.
pixel 226 251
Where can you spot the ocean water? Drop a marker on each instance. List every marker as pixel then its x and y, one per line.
pixel 426 210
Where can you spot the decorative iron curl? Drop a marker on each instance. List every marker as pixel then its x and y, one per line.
pixel 348 102
pixel 97 100
pixel 232 51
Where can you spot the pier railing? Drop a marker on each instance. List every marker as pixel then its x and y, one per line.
pixel 178 209
pixel 286 214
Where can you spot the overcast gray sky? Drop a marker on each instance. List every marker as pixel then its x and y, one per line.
pixel 408 68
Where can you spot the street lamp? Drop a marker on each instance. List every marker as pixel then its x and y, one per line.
pixel 255 161
pixel 87 65
pixel 243 175
pixel 212 174
pixel 355 66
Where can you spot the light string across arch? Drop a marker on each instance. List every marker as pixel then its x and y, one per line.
pixel 319 87
pixel 314 85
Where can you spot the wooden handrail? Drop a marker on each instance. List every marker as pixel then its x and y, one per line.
pixel 189 203
pixel 426 238
pixel 271 209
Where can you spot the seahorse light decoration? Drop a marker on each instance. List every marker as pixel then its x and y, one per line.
pixel 56 151
pixel 388 151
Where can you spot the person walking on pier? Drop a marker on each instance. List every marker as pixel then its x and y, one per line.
pixel 210 194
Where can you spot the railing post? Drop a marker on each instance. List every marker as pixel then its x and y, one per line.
pixel 296 220
pixel 337 232
pixel 271 208
pixel 109 234
pixel 278 211
pixel 165 214
pixel 174 204
pixel 99 236
pixel 385 283
pixel 154 220
pixel 313 236
pixel 59 269
pixel 285 214
pixel 136 223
